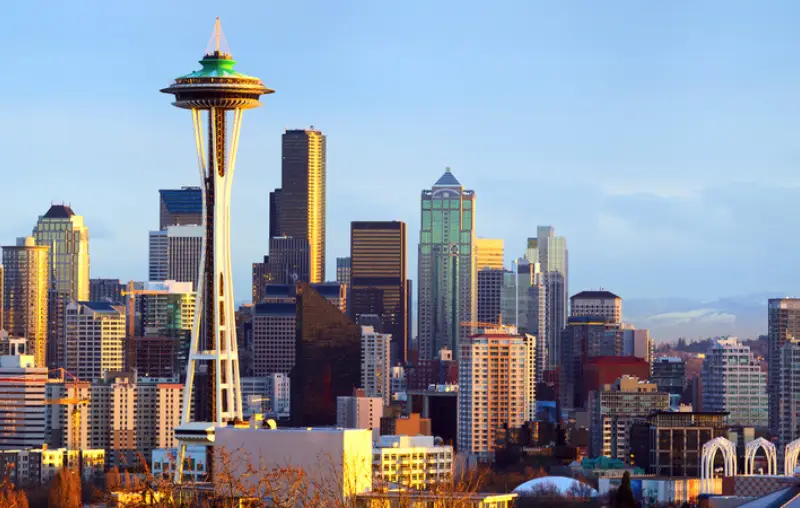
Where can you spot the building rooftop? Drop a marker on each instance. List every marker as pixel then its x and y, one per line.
pixel 275 309
pixel 102 306
pixel 185 200
pixel 59 212
pixel 593 295
pixel 447 180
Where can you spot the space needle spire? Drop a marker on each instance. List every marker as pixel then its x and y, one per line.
pixel 216 95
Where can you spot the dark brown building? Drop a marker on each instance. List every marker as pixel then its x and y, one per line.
pixel 260 279
pixel 327 359
pixel 378 284
pixel 156 356
pixel 288 260
pixel 605 370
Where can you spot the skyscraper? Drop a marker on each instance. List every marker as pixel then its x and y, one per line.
pixel 378 280
pixel 375 352
pixel 784 325
pixel 490 276
pixel 496 387
pixel 288 260
pixel 447 286
pixel 733 382
pixel 68 240
pixel 2 298
pixel 604 304
pixel 26 283
pixel 297 209
pixel 180 207
pixel 489 253
pixel 328 351
pixel 175 254
pixel 554 266
pixel 260 279
pixel 106 290
pixel 343 270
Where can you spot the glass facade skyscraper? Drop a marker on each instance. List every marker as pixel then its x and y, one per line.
pixel 447 282
pixel 378 280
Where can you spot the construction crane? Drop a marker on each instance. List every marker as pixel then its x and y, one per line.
pixel 74 400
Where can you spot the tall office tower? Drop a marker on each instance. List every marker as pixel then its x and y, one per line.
pixel 378 280
pixel 554 257
pixel 327 348
pixel 106 290
pixel 274 213
pixel 614 408
pixel 784 324
pixel 180 207
pixel 274 328
pixel 493 389
pixel 532 250
pixel 260 279
pixel 669 373
pixel 68 239
pixel 2 297
pixel 175 254
pixel 489 253
pixel 375 364
pixel 603 304
pixel 490 290
pixel 22 390
pixel 343 270
pixel 489 263
pixel 25 286
pixel 555 290
pixel 300 202
pixel 95 339
pixel 733 382
pixel 447 286
pixel 579 343
pixel 288 260
pixel 785 390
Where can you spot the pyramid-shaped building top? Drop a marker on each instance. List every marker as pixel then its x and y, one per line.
pixel 447 180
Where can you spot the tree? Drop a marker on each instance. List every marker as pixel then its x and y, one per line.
pixel 65 490
pixel 624 496
pixel 113 480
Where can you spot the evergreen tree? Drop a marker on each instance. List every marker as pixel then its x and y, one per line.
pixel 624 496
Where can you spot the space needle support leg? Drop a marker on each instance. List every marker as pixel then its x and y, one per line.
pixel 198 305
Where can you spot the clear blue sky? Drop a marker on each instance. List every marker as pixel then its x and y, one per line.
pixel 662 138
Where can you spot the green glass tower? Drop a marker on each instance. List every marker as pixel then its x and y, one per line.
pixel 447 285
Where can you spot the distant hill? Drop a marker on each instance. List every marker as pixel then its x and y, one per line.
pixel 671 318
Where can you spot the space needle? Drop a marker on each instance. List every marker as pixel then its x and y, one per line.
pixel 210 94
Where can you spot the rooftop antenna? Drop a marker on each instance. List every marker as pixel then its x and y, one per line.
pixel 218 45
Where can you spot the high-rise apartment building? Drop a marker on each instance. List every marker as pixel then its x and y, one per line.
pixel 22 392
pixel 175 254
pixel 180 207
pixel 67 237
pixel 26 282
pixel 603 304
pixel 495 387
pixel 783 325
pixel 260 279
pixel 733 382
pixel 327 349
pixel 378 280
pixel 614 408
pixel 95 339
pixel 288 260
pixel 447 286
pixel 299 205
pixel 125 416
pixel 489 253
pixel 106 290
pixel 165 309
pixel 375 364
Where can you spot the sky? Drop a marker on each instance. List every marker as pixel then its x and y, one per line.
pixel 661 138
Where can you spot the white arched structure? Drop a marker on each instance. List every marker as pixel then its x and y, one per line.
pixel 750 456
pixel 710 450
pixel 790 457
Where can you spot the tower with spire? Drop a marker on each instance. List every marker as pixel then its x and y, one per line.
pixel 447 295
pixel 216 95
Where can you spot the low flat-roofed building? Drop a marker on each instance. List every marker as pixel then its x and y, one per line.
pixel 417 462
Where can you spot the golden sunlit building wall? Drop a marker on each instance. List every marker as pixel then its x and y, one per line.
pixel 25 282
